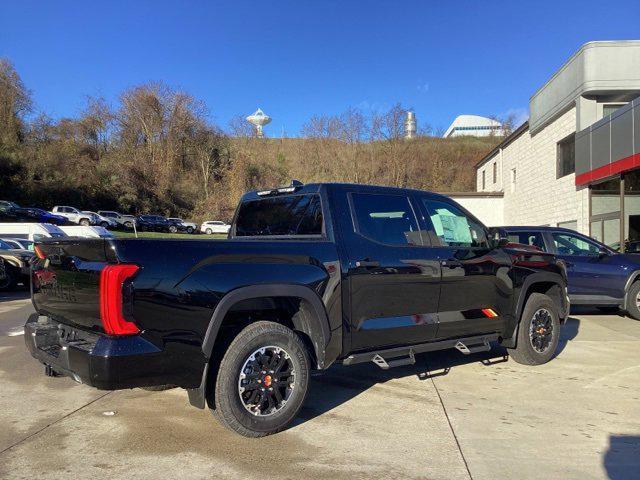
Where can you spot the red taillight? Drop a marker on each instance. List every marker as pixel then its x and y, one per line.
pixel 112 278
pixel 489 312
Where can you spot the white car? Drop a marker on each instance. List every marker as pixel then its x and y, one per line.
pixel 31 231
pixel 74 215
pixel 102 221
pixel 188 227
pixel 214 226
pixel 83 231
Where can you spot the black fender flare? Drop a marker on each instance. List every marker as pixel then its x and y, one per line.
pixel 538 277
pixel 315 325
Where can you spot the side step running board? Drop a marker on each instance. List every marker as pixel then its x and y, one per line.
pixel 395 357
pixel 469 349
pixel 395 362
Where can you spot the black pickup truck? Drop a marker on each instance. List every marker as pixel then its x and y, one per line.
pixel 310 275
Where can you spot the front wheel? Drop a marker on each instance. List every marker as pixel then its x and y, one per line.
pixel 173 229
pixel 208 231
pixel 633 300
pixel 84 222
pixel 538 332
pixel 262 380
pixel 104 224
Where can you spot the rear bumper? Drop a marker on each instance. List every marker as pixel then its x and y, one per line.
pixel 107 363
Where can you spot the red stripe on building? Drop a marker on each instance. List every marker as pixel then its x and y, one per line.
pixel 619 166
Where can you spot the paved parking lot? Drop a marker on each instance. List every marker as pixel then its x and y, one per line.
pixel 447 417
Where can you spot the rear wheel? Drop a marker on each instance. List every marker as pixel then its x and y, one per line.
pixel 85 222
pixel 633 300
pixel 173 228
pixel 189 229
pixel 538 332
pixel 128 224
pixel 104 224
pixel 262 380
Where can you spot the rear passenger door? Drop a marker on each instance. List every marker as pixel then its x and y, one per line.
pixel 394 281
pixel 476 291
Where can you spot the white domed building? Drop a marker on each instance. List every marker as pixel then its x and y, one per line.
pixel 473 125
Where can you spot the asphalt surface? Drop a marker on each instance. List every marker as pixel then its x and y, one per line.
pixel 447 417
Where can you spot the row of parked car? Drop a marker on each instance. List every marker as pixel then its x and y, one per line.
pixel 66 215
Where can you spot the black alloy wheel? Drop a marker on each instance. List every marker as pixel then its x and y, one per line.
pixel 541 330
pixel 266 381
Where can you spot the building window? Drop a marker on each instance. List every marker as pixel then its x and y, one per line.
pixel 566 156
pixel 609 108
pixel 495 172
pixel 483 180
pixel 513 179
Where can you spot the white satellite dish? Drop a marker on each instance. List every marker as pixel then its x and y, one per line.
pixel 259 119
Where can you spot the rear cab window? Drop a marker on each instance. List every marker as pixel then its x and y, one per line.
pixel 280 216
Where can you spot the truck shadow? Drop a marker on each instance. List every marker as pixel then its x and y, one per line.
pixel 21 294
pixel 622 460
pixel 340 383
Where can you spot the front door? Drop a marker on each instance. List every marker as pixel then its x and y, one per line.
pixel 394 280
pixel 594 277
pixel 476 290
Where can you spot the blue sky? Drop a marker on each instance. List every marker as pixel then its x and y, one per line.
pixel 298 58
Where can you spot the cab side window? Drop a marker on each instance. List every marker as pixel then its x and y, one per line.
pixel 568 244
pixel 453 227
pixel 387 219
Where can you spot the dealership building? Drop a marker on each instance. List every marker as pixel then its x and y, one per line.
pixel 576 162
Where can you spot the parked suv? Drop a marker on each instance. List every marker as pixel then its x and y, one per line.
pixel 214 226
pixel 310 275
pixel 597 275
pixel 125 221
pixel 181 226
pixel 153 223
pixel 74 215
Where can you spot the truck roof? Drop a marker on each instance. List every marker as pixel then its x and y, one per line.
pixel 316 187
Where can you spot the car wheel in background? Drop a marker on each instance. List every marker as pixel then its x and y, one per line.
pixel 633 300
pixel 84 222
pixel 173 229
pixel 538 331
pixel 262 380
pixel 9 279
pixel 189 229
pixel 104 224
pixel 208 231
pixel 128 225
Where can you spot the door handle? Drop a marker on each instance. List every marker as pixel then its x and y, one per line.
pixel 451 263
pixel 366 263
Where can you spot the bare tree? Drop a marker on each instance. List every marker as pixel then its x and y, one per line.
pixel 239 127
pixel 15 102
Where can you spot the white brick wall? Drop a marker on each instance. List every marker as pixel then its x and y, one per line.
pixel 538 197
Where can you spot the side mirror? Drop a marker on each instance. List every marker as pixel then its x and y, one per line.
pixel 603 252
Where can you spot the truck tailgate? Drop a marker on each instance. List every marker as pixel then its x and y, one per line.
pixel 65 286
